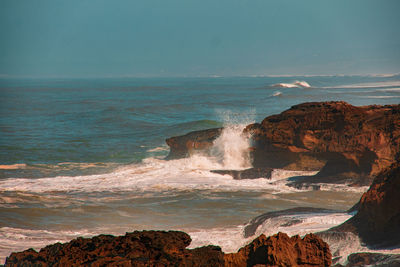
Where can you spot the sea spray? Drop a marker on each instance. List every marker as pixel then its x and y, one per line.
pixel 231 148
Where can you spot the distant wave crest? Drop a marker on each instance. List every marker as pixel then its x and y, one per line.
pixel 296 84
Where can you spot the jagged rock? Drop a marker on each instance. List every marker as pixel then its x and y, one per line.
pixel 185 145
pixel 377 221
pixel 348 144
pixel 282 250
pixel 159 248
pixel 354 143
pixel 252 173
pixel 147 248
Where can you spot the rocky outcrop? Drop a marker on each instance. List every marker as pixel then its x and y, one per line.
pixel 252 173
pixel 282 250
pixel 158 248
pixel 350 142
pixel 185 145
pixel 147 248
pixel 377 221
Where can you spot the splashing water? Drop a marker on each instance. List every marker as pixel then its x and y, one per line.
pixel 232 148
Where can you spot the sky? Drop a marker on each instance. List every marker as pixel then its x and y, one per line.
pixel 162 38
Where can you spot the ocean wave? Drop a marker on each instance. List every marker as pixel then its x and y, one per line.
pixel 296 84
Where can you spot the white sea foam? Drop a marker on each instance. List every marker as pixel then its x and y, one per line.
pixel 230 239
pixel 296 84
pixel 231 148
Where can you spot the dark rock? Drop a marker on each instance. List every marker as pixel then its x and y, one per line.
pixel 252 173
pixel 282 250
pixel 251 227
pixel 377 221
pixel 183 146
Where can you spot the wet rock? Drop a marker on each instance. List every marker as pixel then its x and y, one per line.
pixel 352 143
pixel 185 145
pixel 252 173
pixel 348 144
pixel 159 248
pixel 282 250
pixel 377 221
pixel 147 248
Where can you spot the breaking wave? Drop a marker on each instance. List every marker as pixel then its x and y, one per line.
pixel 296 84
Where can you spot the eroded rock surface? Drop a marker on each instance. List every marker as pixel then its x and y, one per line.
pixel 377 221
pixel 158 248
pixel 282 250
pixel 185 145
pixel 348 144
pixel 353 141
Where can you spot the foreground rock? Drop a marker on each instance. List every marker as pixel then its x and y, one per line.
pixel 377 221
pixel 158 248
pixel 147 248
pixel 282 250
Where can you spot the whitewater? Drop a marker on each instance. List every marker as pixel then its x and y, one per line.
pixel 93 162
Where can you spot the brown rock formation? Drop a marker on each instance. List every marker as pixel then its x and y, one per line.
pixel 185 145
pixel 148 248
pixel 158 248
pixel 351 144
pixel 282 250
pixel 354 141
pixel 377 221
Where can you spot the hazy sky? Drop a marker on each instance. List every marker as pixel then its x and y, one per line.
pixel 83 38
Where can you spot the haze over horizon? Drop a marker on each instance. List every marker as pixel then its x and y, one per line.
pixel 154 38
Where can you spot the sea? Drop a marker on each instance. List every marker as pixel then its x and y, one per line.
pixel 82 157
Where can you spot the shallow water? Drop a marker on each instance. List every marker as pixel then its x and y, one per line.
pixel 84 157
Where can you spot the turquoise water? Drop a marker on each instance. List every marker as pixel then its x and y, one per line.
pixel 82 157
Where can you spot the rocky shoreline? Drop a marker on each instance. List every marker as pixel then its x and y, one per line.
pixel 347 144
pixel 159 248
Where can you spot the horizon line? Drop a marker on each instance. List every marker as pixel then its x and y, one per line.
pixel 383 75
